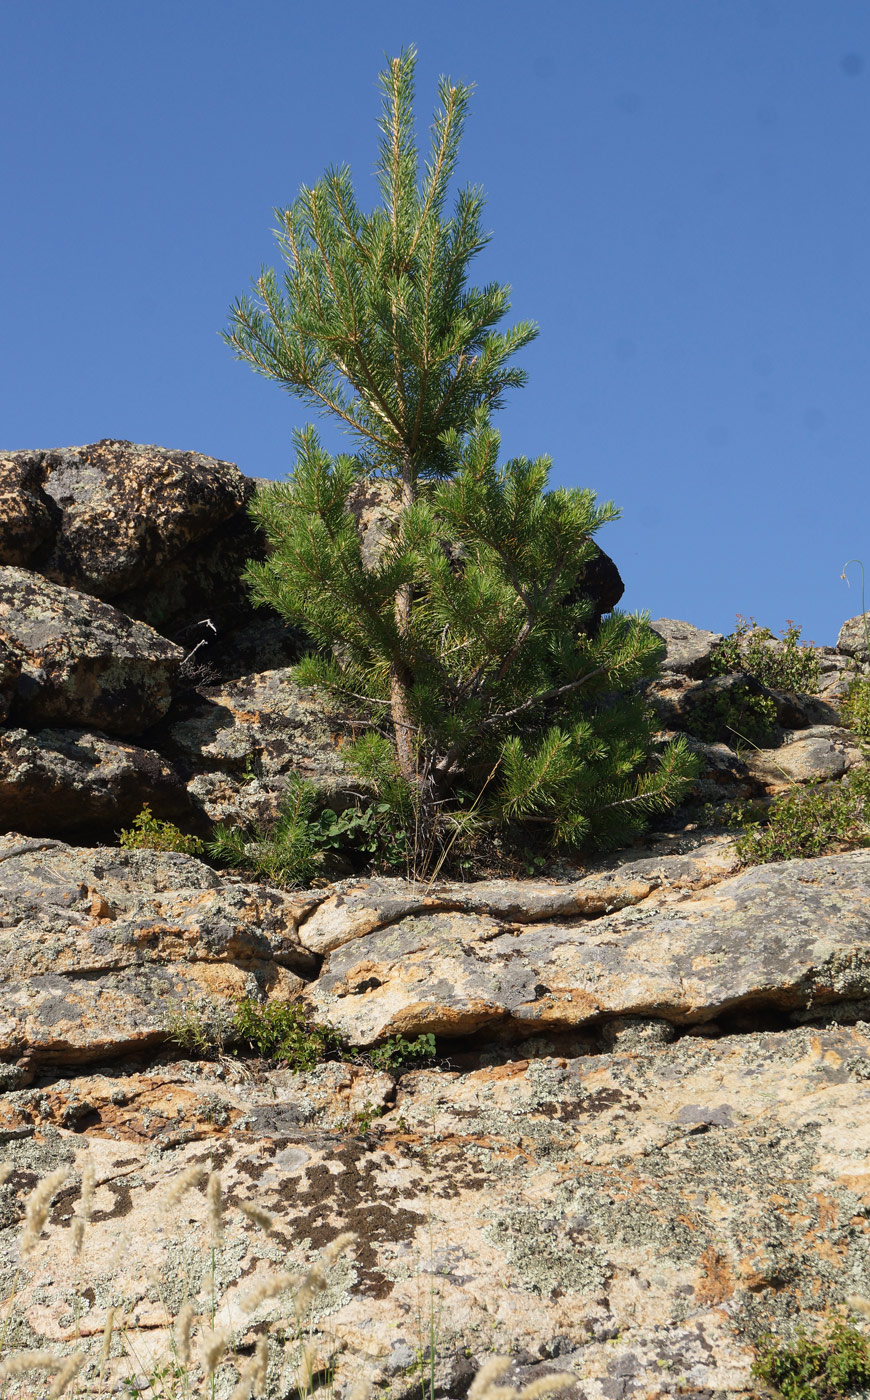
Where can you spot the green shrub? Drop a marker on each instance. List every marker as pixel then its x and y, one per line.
pixel 795 668
pixel 806 821
pixel 278 1031
pixel 855 707
pixel 292 850
pixel 734 717
pixel 831 1365
pixel 149 833
pixel 399 1053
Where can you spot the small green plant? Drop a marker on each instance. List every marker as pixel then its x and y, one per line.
pixel 400 1053
pixel 793 667
pixel 833 1364
pixel 278 1031
pixel 286 852
pixel 362 1121
pixel 203 1027
pixel 291 851
pixel 806 821
pixel 149 833
pixel 855 707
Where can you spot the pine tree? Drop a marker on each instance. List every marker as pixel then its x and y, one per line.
pixel 467 642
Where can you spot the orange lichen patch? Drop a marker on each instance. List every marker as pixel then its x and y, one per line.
pixel 717 1280
pixel 827 1211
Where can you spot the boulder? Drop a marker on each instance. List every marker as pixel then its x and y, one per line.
pixel 10 673
pixel 852 640
pixel 70 781
pixel 689 649
pixel 82 661
pixel 637 1219
pixel 123 511
pixel 29 519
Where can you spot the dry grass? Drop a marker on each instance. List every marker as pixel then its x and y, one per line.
pixel 271 1350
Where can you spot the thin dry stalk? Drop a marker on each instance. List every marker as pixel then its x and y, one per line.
pixel 85 1206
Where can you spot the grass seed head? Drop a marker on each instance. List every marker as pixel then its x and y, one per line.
pixel 487 1376
pixel 212 1345
pixel 215 1208
pixel 39 1205
pixel 30 1361
pixel 6 1170
pixel 187 1181
pixel 68 1370
pixel 270 1287
pixel 183 1327
pixel 259 1217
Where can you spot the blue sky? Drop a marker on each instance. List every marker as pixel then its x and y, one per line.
pixel 679 194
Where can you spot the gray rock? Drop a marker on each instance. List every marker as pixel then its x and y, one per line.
pixel 782 936
pixel 688 648
pixel 69 781
pixel 82 662
pixel 852 640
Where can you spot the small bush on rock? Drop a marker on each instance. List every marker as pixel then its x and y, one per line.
pixel 735 717
pixel 279 1031
pixel 276 1031
pixel 401 1053
pixel 830 1366
pixel 807 821
pixel 292 850
pixel 149 833
pixel 794 666
pixel 855 708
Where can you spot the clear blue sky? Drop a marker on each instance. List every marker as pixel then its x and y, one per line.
pixel 679 194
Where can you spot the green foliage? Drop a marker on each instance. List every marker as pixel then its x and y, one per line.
pixel 807 821
pixel 747 648
pixel 736 716
pixel 287 852
pixel 466 645
pixel 278 1031
pixel 291 851
pixel 149 833
pixel 829 1366
pixel 398 1053
pixel 201 1026
pixel 855 707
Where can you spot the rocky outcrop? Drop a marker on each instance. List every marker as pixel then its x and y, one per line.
pixel 239 743
pixel 635 1204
